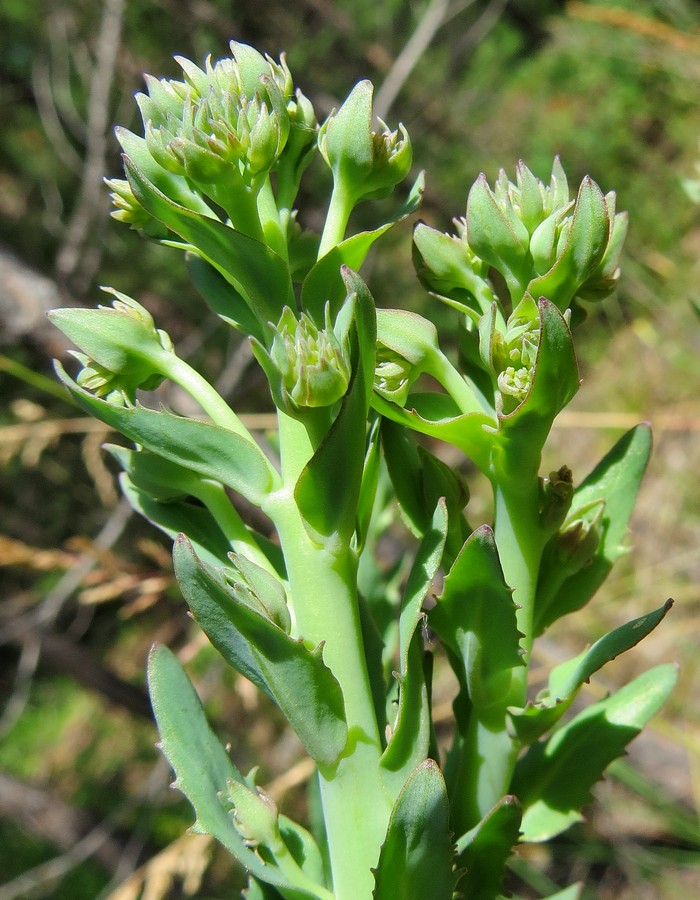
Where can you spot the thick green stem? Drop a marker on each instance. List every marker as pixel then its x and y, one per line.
pixel 323 597
pixel 339 210
pixel 489 754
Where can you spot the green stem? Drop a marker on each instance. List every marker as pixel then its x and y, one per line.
pixel 339 209
pixel 289 867
pixel 454 383
pixel 209 399
pixel 324 602
pixel 217 501
pixel 240 203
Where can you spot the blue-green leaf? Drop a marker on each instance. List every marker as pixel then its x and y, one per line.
pixel 223 298
pixel 297 679
pixel 202 447
pixel 554 778
pixel 202 766
pixel 416 860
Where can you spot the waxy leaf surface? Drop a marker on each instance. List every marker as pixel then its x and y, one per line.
pixel 297 679
pixel 202 766
pixel 206 449
pixel 554 778
pixel 416 860
pixel 256 271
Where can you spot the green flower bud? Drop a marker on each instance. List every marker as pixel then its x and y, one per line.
pixel 129 210
pixel 254 815
pixel 306 366
pixel 122 348
pixel 368 164
pixel 392 375
pixel 258 590
pixel 511 355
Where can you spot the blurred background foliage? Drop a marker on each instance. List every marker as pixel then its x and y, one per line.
pixel 613 87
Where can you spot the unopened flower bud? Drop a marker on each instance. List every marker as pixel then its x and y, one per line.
pixel 368 164
pixel 556 495
pixel 307 367
pixel 122 350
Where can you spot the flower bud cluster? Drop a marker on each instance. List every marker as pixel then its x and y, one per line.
pixel 254 814
pixel 123 349
pixel 307 366
pixel 542 241
pixel 367 163
pixel 515 354
pixel 392 375
pixel 230 115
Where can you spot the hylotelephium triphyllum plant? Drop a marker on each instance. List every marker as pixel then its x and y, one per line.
pixel 306 617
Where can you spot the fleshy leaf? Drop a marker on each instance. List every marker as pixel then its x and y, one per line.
pixel 554 778
pixel 615 482
pixel 202 766
pixel 438 416
pixel 416 860
pixel 565 679
pixel 409 742
pixel 202 447
pixel 302 685
pixel 475 617
pixel 484 850
pixel 256 271
pixel 222 297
